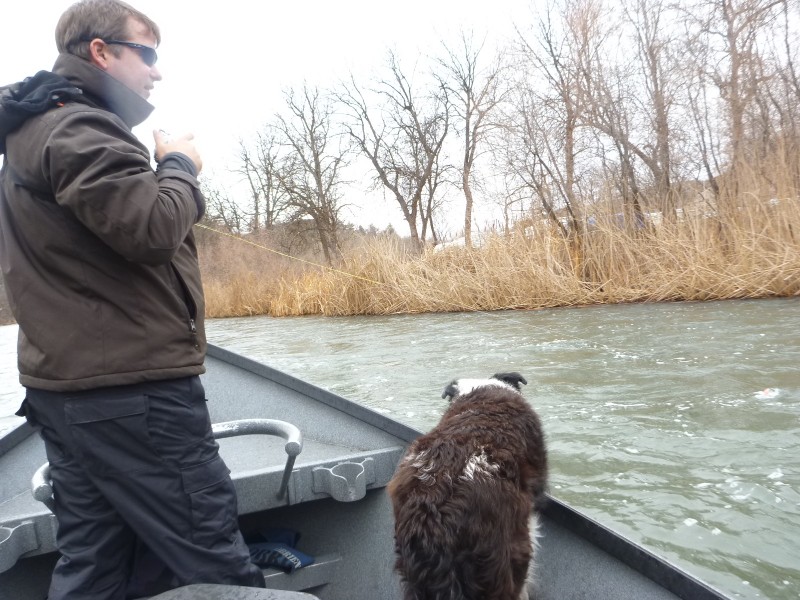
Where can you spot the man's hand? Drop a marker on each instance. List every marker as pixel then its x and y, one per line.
pixel 183 144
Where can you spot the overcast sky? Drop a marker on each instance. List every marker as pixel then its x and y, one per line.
pixel 226 64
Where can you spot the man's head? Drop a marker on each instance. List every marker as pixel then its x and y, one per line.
pixel 115 37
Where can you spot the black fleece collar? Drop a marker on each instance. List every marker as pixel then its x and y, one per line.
pixel 103 89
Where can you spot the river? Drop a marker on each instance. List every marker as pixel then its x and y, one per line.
pixel 675 424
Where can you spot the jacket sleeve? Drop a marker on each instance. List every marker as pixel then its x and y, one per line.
pixel 100 172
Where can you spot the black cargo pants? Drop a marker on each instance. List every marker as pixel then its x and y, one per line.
pixel 137 466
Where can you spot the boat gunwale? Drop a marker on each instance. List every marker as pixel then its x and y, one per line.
pixel 654 567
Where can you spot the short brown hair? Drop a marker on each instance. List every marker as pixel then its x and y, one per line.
pixel 90 19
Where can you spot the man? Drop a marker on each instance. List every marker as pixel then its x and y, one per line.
pixel 101 271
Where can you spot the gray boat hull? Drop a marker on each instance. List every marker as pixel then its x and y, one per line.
pixel 335 498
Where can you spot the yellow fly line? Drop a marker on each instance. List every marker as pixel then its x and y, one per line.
pixel 461 307
pixel 289 256
pixel 313 264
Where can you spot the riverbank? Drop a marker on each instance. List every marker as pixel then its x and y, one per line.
pixel 751 253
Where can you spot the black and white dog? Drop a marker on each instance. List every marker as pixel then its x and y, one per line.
pixel 465 496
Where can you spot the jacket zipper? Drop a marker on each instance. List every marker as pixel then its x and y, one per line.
pixel 191 306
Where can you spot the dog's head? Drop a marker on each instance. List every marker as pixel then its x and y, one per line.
pixel 459 387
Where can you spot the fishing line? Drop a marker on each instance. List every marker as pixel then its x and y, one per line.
pixel 289 256
pixel 461 307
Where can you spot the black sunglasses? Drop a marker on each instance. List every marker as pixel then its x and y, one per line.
pixel 147 54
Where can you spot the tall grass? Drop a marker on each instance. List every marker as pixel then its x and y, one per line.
pixel 751 251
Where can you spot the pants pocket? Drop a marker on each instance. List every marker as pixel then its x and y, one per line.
pixel 24 411
pixel 213 502
pixel 179 423
pixel 111 433
pixel 50 432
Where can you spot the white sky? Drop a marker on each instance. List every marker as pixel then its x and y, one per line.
pixel 225 65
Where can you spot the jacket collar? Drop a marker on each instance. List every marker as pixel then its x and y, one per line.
pixel 99 87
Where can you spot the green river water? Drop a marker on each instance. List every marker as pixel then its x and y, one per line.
pixel 676 424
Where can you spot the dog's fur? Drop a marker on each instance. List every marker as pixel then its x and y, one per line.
pixel 464 494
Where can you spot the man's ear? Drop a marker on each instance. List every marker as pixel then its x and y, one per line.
pixel 98 53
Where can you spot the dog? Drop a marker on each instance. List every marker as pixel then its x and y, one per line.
pixel 466 496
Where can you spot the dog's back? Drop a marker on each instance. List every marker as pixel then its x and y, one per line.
pixel 464 493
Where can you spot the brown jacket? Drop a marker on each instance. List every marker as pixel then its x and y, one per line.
pixel 96 248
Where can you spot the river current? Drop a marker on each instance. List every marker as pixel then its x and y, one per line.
pixel 676 424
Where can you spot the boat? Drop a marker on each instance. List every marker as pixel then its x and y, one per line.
pixel 307 459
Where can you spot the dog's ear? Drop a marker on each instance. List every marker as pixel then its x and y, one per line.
pixel 451 391
pixel 512 379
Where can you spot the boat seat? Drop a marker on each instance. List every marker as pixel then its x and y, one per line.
pixel 207 591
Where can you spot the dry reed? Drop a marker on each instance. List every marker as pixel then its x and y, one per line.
pixel 749 252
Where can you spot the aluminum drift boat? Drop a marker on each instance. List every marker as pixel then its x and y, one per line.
pixel 321 470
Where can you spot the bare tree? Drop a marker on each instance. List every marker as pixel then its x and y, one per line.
pixel 532 151
pixel 648 18
pixel 259 165
pixel 773 120
pixel 313 156
pixel 632 102
pixel 475 93
pixel 785 98
pixel 706 133
pixel 788 47
pixel 725 38
pixel 403 139
pixel 548 113
pixel 585 121
pixel 221 209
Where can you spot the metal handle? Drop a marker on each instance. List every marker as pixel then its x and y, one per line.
pixel 42 487
pixel 292 435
